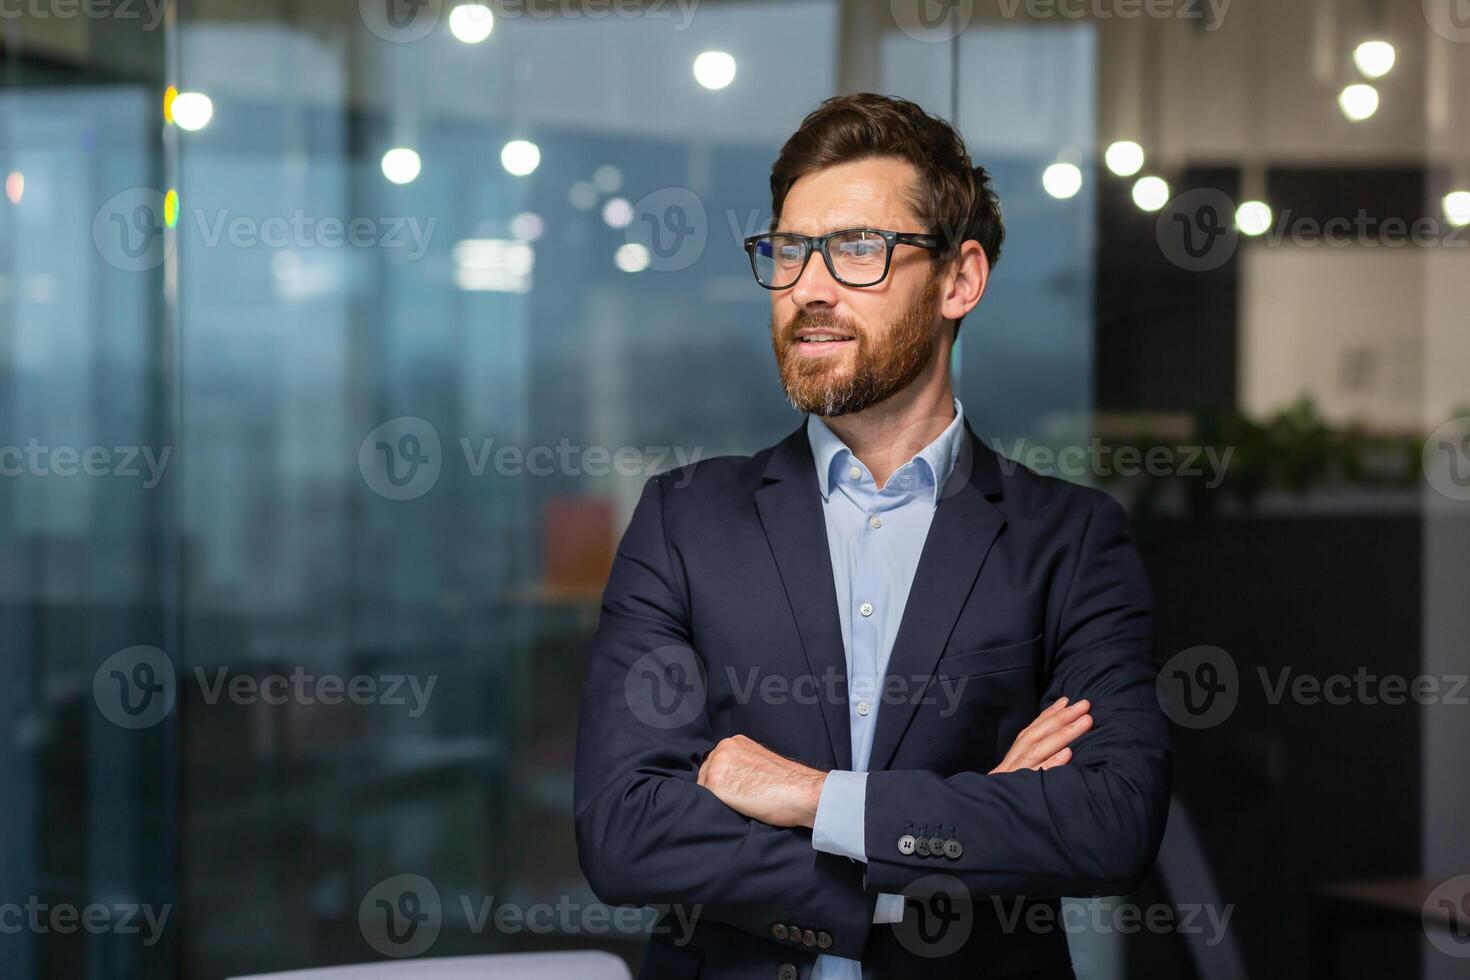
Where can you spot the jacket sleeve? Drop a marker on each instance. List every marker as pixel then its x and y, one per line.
pixel 1091 827
pixel 647 832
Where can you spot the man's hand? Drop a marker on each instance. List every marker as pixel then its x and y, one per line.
pixel 756 782
pixel 1045 742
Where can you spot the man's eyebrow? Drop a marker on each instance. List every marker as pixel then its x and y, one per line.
pixel 834 227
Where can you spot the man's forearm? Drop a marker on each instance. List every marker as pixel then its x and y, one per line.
pixel 1073 831
pixel 663 839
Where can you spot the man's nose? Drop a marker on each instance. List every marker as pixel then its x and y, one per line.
pixel 815 285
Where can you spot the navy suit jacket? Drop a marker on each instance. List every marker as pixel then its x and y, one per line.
pixel 720 618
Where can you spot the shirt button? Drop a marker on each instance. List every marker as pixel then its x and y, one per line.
pixel 863 708
pixel 866 609
pixel 854 472
pixel 875 521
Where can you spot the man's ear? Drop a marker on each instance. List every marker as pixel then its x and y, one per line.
pixel 965 280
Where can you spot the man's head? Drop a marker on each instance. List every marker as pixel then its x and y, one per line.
pixel 870 161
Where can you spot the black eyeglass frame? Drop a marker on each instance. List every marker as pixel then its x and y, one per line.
pixel 818 243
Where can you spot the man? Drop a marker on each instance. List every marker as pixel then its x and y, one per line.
pixel 862 701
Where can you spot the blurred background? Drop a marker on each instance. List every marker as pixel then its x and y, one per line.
pixel 337 341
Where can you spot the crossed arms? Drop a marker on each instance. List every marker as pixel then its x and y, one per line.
pixel 675 815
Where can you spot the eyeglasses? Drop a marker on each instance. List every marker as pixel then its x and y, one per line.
pixel 855 256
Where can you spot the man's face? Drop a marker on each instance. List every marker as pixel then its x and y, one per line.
pixel 841 349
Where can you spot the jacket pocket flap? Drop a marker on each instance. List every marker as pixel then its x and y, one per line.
pixel 985 660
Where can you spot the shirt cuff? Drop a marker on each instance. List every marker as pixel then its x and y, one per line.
pixel 840 823
pixel 888 909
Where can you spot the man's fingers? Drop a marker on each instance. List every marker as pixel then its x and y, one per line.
pixel 1060 759
pixel 1059 739
pixel 1051 720
pixel 1044 739
pixel 1032 753
pixel 1051 709
pixel 1061 709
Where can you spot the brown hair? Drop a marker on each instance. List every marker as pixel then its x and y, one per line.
pixel 953 198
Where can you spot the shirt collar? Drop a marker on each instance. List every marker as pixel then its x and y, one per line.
pixel 829 451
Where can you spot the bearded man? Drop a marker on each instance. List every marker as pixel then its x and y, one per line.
pixel 869 703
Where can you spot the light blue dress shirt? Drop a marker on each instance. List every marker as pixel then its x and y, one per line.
pixel 875 536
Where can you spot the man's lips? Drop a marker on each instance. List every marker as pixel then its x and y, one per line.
pixel 821 341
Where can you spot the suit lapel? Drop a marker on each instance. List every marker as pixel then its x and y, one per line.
pixel 965 526
pixel 789 504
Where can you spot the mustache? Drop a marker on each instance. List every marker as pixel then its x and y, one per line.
pixel 829 321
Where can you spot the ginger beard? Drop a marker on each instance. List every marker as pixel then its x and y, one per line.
pixel 877 367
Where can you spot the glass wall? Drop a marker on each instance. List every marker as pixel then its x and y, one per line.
pixel 443 307
pixel 89 764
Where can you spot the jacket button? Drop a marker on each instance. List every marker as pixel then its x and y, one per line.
pixel 936 844
pixel 953 849
pixel 824 940
pixel 787 971
pixel 921 846
pixel 906 844
pixel 793 933
pixel 778 931
pixel 808 938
